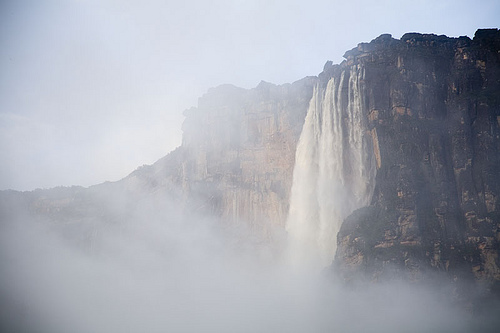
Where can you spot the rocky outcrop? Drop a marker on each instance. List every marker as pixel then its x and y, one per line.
pixel 240 147
pixel 237 155
pixel 433 110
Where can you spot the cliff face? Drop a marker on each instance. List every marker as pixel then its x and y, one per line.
pixel 236 160
pixel 433 110
pixel 429 125
pixel 239 149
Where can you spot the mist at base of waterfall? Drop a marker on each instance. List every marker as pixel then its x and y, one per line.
pixel 157 272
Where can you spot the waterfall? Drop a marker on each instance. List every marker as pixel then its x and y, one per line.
pixel 333 174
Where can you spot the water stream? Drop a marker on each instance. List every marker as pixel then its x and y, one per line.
pixel 334 172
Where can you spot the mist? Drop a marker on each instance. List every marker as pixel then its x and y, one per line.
pixel 144 266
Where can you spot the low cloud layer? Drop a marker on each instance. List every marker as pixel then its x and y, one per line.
pixel 147 269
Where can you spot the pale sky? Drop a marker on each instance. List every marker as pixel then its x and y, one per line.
pixel 92 89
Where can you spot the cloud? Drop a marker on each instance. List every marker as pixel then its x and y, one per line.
pixel 141 266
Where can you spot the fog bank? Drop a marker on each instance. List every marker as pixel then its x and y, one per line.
pixel 146 268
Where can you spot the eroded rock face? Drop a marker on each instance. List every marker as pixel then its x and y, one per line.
pixel 235 165
pixel 433 108
pixel 239 149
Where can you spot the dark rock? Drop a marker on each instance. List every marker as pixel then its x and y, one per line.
pixel 433 105
pixel 327 65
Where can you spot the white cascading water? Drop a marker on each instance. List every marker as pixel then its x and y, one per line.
pixel 333 174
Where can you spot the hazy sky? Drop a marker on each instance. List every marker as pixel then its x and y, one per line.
pixel 90 90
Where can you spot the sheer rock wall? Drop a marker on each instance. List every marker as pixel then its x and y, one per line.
pixel 237 155
pixel 433 109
